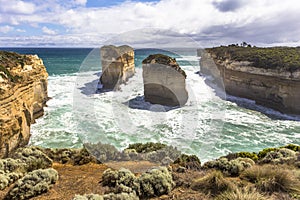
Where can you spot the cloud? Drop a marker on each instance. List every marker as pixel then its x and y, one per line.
pixel 228 5
pixel 16 7
pixel 207 21
pixel 6 29
pixel 48 31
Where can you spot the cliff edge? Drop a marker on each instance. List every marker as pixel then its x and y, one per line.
pixel 23 94
pixel 270 76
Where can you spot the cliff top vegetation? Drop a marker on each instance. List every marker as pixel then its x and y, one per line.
pixel 277 58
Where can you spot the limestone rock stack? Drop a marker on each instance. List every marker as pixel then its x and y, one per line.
pixel 117 66
pixel 164 81
pixel 23 94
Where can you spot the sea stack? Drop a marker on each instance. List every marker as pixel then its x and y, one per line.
pixel 117 66
pixel 23 94
pixel 164 81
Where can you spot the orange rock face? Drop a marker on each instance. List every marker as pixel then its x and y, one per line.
pixel 23 94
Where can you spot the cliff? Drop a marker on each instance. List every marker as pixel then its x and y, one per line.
pixel 23 94
pixel 270 76
pixel 117 66
pixel 164 81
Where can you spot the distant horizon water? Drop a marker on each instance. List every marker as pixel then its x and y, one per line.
pixel 207 126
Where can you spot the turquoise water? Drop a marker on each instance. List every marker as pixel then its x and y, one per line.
pixel 207 126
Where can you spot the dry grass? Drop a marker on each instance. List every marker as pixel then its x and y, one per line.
pixel 241 194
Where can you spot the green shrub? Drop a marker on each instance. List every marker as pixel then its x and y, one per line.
pixel 12 165
pixel 8 178
pixel 188 161
pixel 33 157
pixel 271 178
pixel 33 184
pixel 280 156
pixel 112 178
pixel 292 147
pixel 103 152
pixel 147 147
pixel 110 196
pixel 88 197
pixel 71 156
pixel 232 167
pixel 214 183
pixel 156 182
pixel 241 194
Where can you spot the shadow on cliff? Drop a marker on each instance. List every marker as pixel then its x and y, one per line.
pixel 216 85
pixel 140 103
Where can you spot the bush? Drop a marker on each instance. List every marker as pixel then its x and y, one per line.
pixel 33 157
pixel 103 152
pixel 112 178
pixel 33 184
pixel 292 147
pixel 156 182
pixel 88 197
pixel 7 178
pixel 253 156
pixel 147 147
pixel 280 156
pixel 270 179
pixel 188 161
pixel 12 165
pixel 70 156
pixel 111 196
pixel 232 167
pixel 214 183
pixel 241 194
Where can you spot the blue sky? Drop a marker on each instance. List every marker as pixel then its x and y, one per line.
pixel 93 22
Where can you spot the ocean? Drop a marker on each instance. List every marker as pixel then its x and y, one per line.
pixel 206 126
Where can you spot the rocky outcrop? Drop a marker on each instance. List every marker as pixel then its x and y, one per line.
pixel 273 88
pixel 23 94
pixel 117 66
pixel 164 81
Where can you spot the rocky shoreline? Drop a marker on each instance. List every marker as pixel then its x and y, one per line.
pixel 269 76
pixel 42 173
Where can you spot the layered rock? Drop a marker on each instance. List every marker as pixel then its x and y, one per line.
pixel 273 88
pixel 23 94
pixel 164 81
pixel 117 66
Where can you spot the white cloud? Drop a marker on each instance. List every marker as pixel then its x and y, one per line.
pixel 6 29
pixel 215 20
pixel 48 31
pixel 16 7
pixel 20 30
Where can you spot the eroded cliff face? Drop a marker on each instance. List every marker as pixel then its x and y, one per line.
pixel 272 88
pixel 23 94
pixel 164 81
pixel 117 66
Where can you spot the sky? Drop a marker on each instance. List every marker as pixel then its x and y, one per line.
pixel 91 23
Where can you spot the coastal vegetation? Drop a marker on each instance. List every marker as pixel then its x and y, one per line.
pixel 273 173
pixel 277 58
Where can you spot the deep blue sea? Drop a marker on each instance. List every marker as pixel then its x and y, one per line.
pixel 207 125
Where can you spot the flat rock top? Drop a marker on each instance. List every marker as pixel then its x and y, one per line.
pixel 120 49
pixel 164 60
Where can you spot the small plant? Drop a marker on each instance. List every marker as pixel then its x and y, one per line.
pixel 241 194
pixel 33 184
pixel 33 157
pixel 147 147
pixel 232 167
pixel 155 183
pixel 7 178
pixel 102 152
pixel 214 183
pixel 280 156
pixel 112 178
pixel 270 179
pixel 88 197
pixel 188 161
